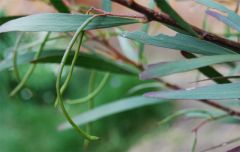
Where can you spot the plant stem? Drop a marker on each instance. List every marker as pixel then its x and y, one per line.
pixel 165 19
pixel 69 76
pixel 15 53
pixel 92 94
pixel 31 69
pixel 90 103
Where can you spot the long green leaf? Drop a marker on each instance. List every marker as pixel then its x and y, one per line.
pixel 179 42
pixel 60 6
pixel 88 61
pixel 111 109
pixel 213 92
pixel 208 71
pixel 163 69
pixel 60 22
pixel 232 19
pixel 224 19
pixel 165 7
pixel 8 18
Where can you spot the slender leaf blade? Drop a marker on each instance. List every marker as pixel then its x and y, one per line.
pixel 179 42
pixel 111 109
pixel 60 6
pixel 8 18
pixel 232 19
pixel 164 69
pixel 224 19
pixel 60 22
pixel 89 61
pixel 208 71
pixel 165 7
pixel 213 92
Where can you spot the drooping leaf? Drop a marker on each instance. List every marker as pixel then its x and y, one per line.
pixel 179 42
pixel 60 6
pixel 89 61
pixel 213 92
pixel 163 69
pixel 8 18
pixel 60 22
pixel 111 109
pixel 107 5
pixel 232 19
pixel 165 7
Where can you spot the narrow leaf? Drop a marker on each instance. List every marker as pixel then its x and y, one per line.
pixel 111 109
pixel 213 92
pixel 88 61
pixel 179 42
pixel 60 22
pixel 224 19
pixel 60 6
pixel 232 19
pixel 165 7
pixel 208 71
pixel 8 18
pixel 163 69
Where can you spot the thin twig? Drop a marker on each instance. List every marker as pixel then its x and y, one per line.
pixel 222 144
pixel 217 105
pixel 165 19
pixel 118 14
pixel 113 49
pixel 209 120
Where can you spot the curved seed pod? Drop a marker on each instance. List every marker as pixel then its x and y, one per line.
pixel 59 77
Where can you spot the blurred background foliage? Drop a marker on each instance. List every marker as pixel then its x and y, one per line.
pixel 29 121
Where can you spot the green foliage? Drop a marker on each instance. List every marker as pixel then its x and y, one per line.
pixel 111 109
pixel 60 6
pixel 8 18
pixel 178 42
pixel 163 69
pixel 165 7
pixel 60 22
pixel 107 96
pixel 232 19
pixel 218 92
pixel 87 60
pixel 208 71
